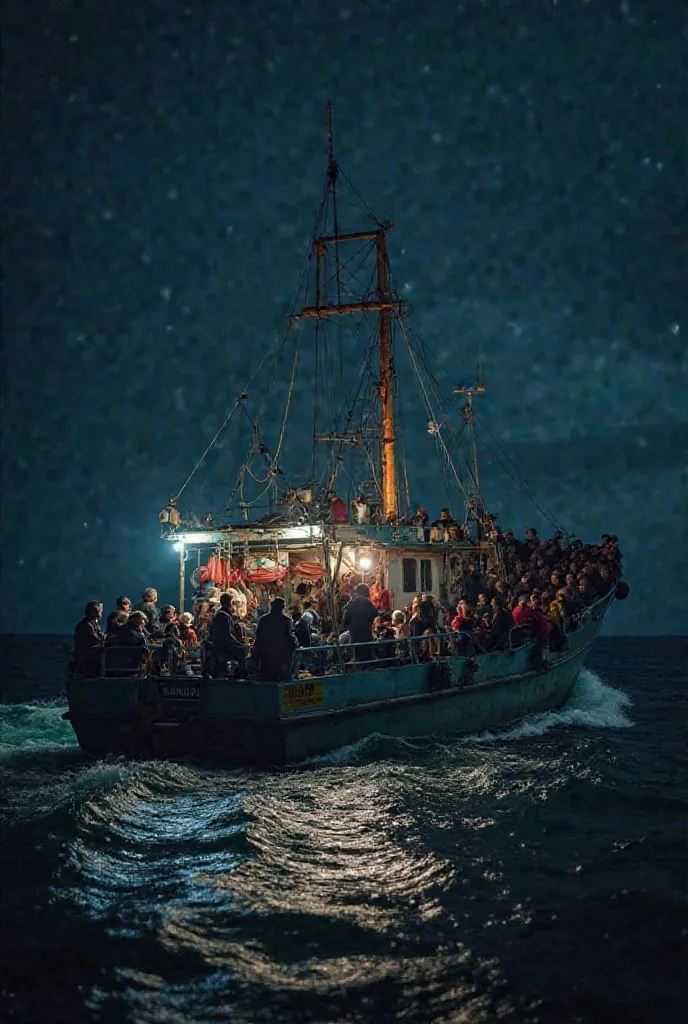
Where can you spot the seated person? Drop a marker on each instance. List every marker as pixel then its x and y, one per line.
pixel 187 634
pixel 149 607
pixel 302 630
pixel 115 621
pixel 401 627
pixel 131 651
pixel 496 638
pixel 172 650
pixel 203 618
pixel 464 621
pixel 446 520
pixel 483 610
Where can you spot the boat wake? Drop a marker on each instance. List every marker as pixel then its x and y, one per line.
pixel 35 740
pixel 42 768
pixel 593 704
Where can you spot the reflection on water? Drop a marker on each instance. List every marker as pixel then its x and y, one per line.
pixel 391 880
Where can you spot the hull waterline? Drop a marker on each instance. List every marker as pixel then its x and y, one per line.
pixel 273 724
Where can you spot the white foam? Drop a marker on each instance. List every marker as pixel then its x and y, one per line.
pixel 35 725
pixel 592 704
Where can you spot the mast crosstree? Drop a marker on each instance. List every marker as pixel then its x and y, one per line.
pixel 346 287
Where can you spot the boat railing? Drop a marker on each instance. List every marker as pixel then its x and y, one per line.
pixel 388 533
pixel 341 658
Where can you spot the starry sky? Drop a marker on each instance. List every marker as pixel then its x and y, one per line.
pixel 163 162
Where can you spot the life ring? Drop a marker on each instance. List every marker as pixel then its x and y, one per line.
pixel 622 591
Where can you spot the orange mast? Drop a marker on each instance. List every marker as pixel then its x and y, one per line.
pixel 390 499
pixel 385 304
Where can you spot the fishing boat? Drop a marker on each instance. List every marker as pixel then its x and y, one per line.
pixel 343 518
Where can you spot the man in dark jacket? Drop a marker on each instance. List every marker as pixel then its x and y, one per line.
pixel 226 637
pixel 88 641
pixel 302 630
pixel 359 615
pixel 275 643
pixel 496 638
pixel 129 650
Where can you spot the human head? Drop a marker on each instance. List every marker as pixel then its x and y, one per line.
pixel 277 604
pixel 186 618
pixel 137 620
pixel 150 595
pixel 362 590
pixel 123 604
pixel 226 602
pixel 116 620
pixel 93 610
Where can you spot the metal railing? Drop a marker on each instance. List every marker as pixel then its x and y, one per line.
pixel 340 658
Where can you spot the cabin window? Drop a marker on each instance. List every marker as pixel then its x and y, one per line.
pixel 425 575
pixel 409 576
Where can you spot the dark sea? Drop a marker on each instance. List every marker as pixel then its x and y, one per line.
pixel 534 875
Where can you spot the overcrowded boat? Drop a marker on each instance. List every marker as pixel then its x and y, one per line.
pixel 321 605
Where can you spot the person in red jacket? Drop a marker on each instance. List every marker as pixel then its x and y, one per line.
pixel 338 510
pixel 527 613
pixel 464 621
pixel 380 595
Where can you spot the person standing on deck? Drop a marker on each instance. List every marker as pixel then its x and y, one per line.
pixel 380 595
pixel 361 510
pixel 359 616
pixel 338 510
pixel 226 637
pixel 88 641
pixel 275 643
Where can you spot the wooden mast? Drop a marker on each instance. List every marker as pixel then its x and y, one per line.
pixel 390 500
pixel 384 304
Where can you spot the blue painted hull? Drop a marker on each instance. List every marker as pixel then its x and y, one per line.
pixel 264 724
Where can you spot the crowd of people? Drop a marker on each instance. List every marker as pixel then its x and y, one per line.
pixel 543 588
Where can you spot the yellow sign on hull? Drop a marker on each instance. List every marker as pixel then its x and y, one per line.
pixel 299 696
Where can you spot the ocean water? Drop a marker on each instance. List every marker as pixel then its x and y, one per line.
pixel 534 875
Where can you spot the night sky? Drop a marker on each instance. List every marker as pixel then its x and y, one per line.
pixel 163 163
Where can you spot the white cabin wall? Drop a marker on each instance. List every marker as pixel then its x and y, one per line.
pixel 395 578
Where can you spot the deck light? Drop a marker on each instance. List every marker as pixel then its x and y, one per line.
pixel 178 545
pixel 365 563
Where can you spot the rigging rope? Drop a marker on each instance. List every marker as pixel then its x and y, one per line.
pixel 429 409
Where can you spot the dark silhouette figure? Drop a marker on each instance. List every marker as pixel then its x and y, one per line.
pixel 275 643
pixel 359 615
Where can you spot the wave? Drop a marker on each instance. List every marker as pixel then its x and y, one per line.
pixel 592 704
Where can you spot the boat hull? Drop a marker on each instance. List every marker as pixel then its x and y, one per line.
pixel 273 724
